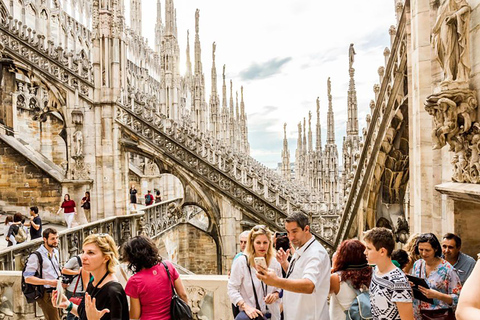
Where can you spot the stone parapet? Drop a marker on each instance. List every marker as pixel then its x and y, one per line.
pixel 207 297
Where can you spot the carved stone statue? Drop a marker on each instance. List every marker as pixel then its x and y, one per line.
pixel 78 143
pixel 351 55
pixel 450 37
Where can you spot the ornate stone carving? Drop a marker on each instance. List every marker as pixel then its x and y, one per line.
pixel 80 170
pixel 77 144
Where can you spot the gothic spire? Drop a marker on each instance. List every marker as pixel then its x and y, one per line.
pixel 352 122
pixel 198 50
pixel 319 128
pixel 304 144
pixel 285 155
pixel 310 137
pixel 136 16
pixel 158 28
pixel 232 113
pixel 189 62
pixel 214 71
pixel 299 140
pixel 224 91
pixel 242 104
pixel 330 118
pixel 169 18
pixel 237 111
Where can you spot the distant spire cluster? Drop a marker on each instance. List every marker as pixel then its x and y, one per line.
pixel 318 169
pixel 184 97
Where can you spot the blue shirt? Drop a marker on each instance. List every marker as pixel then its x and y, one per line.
pixel 464 266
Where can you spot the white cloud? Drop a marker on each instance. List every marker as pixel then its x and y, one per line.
pixel 314 35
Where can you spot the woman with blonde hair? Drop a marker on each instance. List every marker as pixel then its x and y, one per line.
pixel 253 297
pixel 409 247
pixel 104 298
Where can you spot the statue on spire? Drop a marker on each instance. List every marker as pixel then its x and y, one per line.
pixel 223 72
pixel 197 19
pixel 285 130
pixel 351 55
pixel 329 87
pixel 214 47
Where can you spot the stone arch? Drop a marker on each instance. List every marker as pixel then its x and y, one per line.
pixel 194 193
pixel 3 12
pixel 384 203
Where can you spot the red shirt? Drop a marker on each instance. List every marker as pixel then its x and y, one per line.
pixel 152 288
pixel 69 206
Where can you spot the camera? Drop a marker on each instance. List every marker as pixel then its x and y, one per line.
pixel 67 279
pixel 267 315
pixel 281 241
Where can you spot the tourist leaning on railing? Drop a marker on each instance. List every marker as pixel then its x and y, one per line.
pixel 104 298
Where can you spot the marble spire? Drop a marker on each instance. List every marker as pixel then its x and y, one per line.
pixel 158 28
pixel 198 50
pixel 136 16
pixel 318 141
pixel 352 122
pixel 285 155
pixel 330 116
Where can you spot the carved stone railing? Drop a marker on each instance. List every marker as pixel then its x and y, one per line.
pixel 383 113
pixel 155 220
pixel 207 297
pixel 238 177
pixel 69 68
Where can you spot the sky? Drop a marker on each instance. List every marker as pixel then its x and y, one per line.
pixel 282 52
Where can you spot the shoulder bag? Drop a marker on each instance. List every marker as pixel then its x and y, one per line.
pixel 179 309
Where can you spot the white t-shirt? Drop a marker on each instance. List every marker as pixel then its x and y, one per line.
pixel 385 291
pixel 240 286
pixel 311 262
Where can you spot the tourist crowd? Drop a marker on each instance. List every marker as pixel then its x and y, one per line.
pixel 276 276
pixel 364 280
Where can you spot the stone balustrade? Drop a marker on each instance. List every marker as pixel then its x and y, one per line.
pixel 154 220
pixel 239 176
pixel 207 297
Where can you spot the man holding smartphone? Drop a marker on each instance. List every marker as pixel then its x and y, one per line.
pixel 307 283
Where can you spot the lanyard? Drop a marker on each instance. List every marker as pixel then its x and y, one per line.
pixel 292 264
pixel 53 266
pixel 94 291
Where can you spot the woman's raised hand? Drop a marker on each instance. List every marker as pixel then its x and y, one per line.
pixel 91 309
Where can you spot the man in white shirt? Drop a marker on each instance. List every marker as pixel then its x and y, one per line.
pixel 307 282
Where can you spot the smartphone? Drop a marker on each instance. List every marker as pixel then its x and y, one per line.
pixel 59 291
pixel 282 241
pixel 260 261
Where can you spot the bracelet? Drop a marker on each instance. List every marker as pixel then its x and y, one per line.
pixel 70 307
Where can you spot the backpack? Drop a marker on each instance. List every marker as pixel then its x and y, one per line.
pixel 360 309
pixel 21 235
pixel 148 198
pixel 32 292
pixel 68 278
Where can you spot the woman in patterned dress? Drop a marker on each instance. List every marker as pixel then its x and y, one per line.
pixel 440 275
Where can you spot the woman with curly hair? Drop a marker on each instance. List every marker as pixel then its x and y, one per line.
pixel 350 272
pixel 149 288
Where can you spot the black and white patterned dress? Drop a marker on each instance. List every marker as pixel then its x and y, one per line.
pixel 385 291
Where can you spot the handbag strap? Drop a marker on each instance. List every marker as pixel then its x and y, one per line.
pixel 253 285
pixel 78 279
pixel 169 279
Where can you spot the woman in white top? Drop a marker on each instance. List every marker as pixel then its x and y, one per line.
pixel 350 272
pixel 240 289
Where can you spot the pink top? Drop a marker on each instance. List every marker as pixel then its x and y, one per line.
pixel 151 287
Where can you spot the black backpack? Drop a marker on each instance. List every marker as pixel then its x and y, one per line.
pixel 32 292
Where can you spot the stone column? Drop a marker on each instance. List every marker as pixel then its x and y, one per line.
pixel 425 163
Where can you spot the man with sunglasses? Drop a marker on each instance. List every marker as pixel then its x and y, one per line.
pixel 307 283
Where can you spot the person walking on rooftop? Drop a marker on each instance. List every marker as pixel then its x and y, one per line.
pixel 69 209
